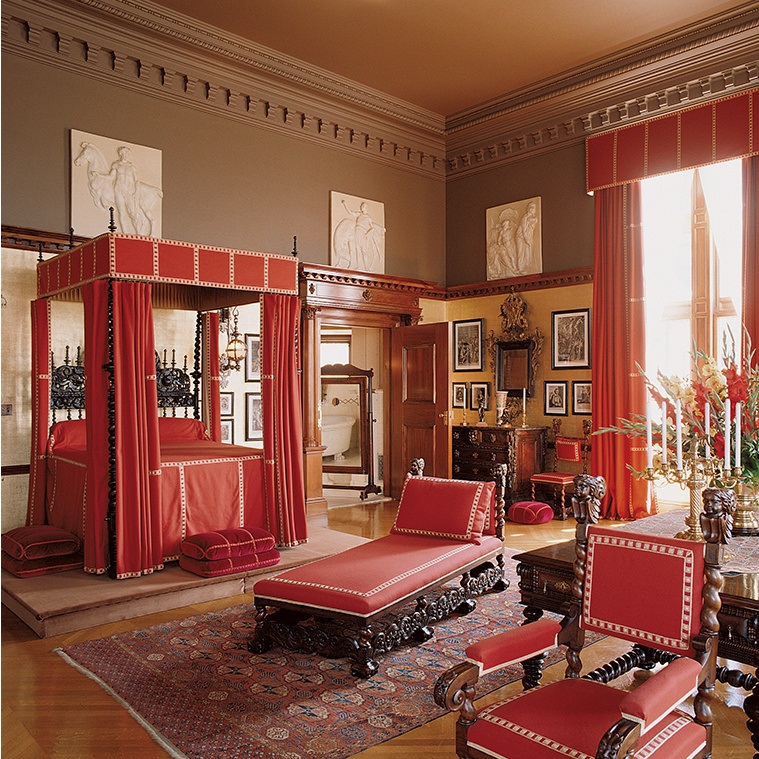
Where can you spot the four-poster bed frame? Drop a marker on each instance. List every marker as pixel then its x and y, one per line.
pixel 119 278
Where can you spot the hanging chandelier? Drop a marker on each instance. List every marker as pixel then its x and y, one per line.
pixel 234 353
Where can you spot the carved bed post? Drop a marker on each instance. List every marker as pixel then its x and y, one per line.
pixel 196 373
pixel 111 511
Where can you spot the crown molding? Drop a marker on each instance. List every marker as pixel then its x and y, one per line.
pixel 145 48
pixel 682 69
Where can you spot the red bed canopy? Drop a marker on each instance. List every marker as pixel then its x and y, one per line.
pixel 119 278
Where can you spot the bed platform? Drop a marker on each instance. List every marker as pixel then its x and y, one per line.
pixel 376 596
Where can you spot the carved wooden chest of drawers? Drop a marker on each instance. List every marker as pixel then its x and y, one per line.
pixel 476 449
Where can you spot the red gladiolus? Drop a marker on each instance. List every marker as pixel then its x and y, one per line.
pixel 719 445
pixel 737 385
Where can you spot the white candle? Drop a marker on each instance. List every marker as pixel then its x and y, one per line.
pixel 664 432
pixel 707 428
pixel 649 441
pixel 738 435
pixel 727 434
pixel 679 433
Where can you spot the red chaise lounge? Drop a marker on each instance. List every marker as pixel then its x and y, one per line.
pixel 352 604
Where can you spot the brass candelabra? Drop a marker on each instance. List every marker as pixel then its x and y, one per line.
pixel 694 472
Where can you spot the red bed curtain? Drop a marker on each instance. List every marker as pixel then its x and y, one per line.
pixel 35 512
pixel 283 425
pixel 135 417
pixel 211 375
pixel 618 343
pixel 750 240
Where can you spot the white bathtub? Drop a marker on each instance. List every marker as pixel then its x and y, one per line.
pixel 336 433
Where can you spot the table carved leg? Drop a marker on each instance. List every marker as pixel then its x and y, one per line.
pixel 532 668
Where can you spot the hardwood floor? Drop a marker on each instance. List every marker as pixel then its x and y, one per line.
pixel 48 710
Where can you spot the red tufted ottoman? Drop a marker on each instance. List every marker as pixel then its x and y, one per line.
pixel 530 512
pixel 224 552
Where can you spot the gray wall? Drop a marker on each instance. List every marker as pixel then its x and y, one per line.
pixel 557 177
pixel 225 183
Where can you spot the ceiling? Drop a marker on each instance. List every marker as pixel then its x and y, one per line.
pixel 448 55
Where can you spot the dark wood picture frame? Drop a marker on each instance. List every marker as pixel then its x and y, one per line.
pixel 555 401
pixel 459 394
pixel 570 339
pixel 475 389
pixel 252 358
pixel 254 413
pixel 581 398
pixel 227 403
pixel 228 431
pixel 468 346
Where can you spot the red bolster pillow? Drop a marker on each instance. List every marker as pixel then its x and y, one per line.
pixel 530 512
pixel 38 541
pixel 47 565
pixel 231 565
pixel 225 544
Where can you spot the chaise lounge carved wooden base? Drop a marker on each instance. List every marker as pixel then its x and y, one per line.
pixel 379 595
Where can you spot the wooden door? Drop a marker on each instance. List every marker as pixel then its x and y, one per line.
pixel 420 376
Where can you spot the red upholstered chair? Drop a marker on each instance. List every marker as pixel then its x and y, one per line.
pixel 567 451
pixel 660 593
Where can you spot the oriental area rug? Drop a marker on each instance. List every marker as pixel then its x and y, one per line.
pixel 201 694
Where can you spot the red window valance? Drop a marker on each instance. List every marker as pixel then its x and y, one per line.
pixel 715 131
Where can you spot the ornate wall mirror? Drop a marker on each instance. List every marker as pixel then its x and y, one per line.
pixel 515 353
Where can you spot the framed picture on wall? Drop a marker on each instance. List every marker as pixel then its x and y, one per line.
pixel 254 417
pixel 467 346
pixel 570 339
pixel 581 397
pixel 227 431
pixel 479 395
pixel 227 404
pixel 555 398
pixel 459 395
pixel 252 358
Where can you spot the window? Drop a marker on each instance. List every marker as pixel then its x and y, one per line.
pixel 335 348
pixel 692 222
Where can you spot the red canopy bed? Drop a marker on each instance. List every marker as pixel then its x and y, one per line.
pixel 133 485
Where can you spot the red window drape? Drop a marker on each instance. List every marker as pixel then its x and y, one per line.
pixel 750 251
pixel 618 343
pixel 135 429
pixel 283 424
pixel 211 375
pixel 35 512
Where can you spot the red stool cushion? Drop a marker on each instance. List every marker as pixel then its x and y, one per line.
pixel 231 565
pixel 226 544
pixel 39 541
pixel 47 565
pixel 530 512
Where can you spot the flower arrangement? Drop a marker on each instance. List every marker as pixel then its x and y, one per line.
pixel 717 412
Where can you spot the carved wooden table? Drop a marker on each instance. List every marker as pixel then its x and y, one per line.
pixel 545 584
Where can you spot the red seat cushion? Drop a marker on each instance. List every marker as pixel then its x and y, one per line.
pixel 554 478
pixel 225 544
pixel 373 576
pixel 46 565
pixel 568 718
pixel 530 512
pixel 38 541
pixel 229 565
pixel 439 508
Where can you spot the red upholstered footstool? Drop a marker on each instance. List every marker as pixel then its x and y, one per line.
pixel 224 552
pixel 530 512
pixel 40 550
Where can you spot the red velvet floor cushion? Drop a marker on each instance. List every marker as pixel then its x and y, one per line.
pixel 373 576
pixel 518 726
pixel 530 512
pixel 230 565
pixel 225 544
pixel 45 566
pixel 38 541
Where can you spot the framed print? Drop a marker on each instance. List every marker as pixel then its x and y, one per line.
pixel 254 417
pixel 555 398
pixel 480 394
pixel 467 346
pixel 252 358
pixel 227 431
pixel 459 394
pixel 227 404
pixel 581 397
pixel 570 339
